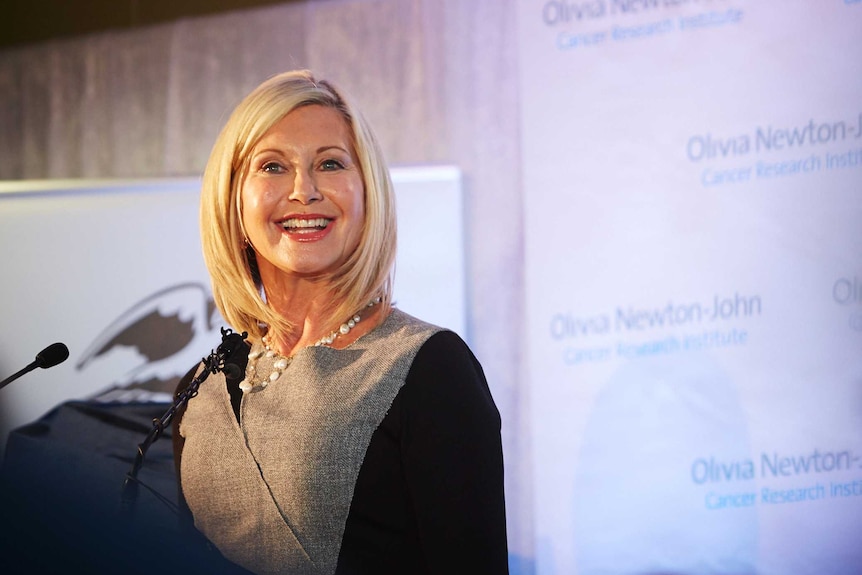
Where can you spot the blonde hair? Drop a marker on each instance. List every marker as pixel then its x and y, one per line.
pixel 368 272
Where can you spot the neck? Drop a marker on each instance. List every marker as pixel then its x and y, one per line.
pixel 314 324
pixel 306 305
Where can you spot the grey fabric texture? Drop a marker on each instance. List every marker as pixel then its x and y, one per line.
pixel 273 492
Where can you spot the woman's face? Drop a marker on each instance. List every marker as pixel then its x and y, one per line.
pixel 303 198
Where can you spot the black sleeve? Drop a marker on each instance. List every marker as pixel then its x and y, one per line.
pixel 453 460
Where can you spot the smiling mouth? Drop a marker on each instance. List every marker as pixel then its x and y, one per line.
pixel 302 226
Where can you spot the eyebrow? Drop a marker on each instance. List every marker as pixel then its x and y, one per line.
pixel 319 150
pixel 325 148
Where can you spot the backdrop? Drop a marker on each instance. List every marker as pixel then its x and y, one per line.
pixel 694 333
pixel 663 256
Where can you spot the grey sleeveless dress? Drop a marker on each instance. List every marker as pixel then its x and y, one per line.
pixel 273 492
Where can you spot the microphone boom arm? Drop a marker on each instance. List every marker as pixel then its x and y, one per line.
pixel 215 362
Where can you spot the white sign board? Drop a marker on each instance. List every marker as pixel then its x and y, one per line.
pixel 114 270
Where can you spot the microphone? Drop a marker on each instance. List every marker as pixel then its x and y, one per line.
pixel 231 371
pixel 49 357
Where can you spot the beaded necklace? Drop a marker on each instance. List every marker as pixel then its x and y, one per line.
pixel 266 360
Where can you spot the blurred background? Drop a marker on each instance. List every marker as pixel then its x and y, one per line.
pixel 652 226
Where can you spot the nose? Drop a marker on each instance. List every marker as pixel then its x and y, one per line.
pixel 304 188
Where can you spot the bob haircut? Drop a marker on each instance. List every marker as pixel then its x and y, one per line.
pixel 232 262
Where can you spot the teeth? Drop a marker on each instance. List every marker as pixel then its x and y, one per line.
pixel 296 223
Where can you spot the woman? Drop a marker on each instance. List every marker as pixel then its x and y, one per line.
pixel 358 439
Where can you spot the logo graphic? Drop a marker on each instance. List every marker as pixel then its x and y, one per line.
pixel 166 334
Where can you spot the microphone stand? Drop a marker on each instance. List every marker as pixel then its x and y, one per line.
pixel 215 362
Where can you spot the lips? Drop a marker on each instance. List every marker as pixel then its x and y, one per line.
pixel 308 228
pixel 305 225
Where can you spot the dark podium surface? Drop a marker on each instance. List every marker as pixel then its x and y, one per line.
pixel 61 487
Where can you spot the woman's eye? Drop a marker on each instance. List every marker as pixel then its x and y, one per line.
pixel 272 167
pixel 331 165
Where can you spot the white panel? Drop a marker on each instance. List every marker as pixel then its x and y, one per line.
pixel 103 265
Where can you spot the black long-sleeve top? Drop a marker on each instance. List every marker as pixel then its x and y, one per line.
pixel 429 496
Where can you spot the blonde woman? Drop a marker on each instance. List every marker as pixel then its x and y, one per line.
pixel 356 439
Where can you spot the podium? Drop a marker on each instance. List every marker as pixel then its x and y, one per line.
pixel 61 484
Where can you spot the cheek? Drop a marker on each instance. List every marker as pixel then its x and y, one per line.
pixel 359 214
pixel 359 200
pixel 253 203
pixel 359 209
pixel 246 211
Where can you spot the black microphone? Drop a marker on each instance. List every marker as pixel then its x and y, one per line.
pixel 48 357
pixel 231 371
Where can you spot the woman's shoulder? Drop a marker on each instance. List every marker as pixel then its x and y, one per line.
pixel 439 349
pixel 400 321
pixel 445 371
pixel 400 335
